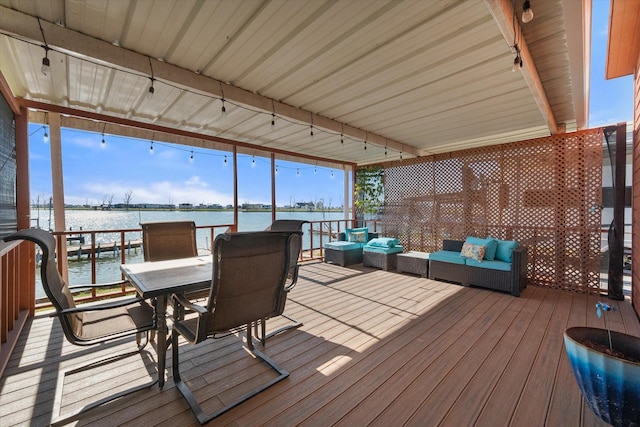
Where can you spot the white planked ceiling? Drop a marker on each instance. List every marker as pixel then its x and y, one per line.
pixel 417 76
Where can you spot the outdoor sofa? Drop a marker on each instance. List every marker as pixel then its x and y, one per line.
pixel 502 264
pixel 347 250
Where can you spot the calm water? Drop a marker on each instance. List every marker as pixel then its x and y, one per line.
pixel 108 264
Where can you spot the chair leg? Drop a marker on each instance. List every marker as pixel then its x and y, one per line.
pixel 295 324
pixel 59 419
pixel 190 398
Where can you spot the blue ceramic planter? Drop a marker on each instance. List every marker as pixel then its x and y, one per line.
pixel 611 386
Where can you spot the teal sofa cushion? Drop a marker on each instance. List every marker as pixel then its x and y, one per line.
pixel 447 256
pixel 505 250
pixel 383 250
pixel 342 246
pixel 492 265
pixel 384 242
pixel 490 244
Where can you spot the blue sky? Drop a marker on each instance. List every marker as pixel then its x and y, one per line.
pixel 94 170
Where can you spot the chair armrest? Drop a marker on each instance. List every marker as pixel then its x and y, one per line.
pixel 95 307
pixel 78 288
pixel 182 301
pixel 187 330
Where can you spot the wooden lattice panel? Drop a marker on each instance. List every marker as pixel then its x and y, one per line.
pixel 540 192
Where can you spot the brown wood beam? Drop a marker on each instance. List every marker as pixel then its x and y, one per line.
pixel 162 129
pixel 502 12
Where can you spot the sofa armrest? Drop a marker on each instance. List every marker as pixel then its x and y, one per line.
pixel 519 261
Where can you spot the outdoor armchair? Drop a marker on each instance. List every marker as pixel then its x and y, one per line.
pixel 88 324
pixel 249 274
pixel 165 240
pixel 291 225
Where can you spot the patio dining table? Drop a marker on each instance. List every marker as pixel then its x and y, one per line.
pixel 157 280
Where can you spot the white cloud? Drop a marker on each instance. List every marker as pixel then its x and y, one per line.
pixel 192 191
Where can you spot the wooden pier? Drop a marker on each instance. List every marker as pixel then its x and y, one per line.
pixel 79 250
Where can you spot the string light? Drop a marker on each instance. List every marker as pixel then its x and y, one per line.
pixel 46 64
pixel 517 61
pixel 223 109
pixel 151 90
pixel 527 13
pixel 45 137
pixel 152 78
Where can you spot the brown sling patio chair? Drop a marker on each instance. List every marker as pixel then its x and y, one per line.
pixel 249 274
pixel 291 225
pixel 162 241
pixel 165 240
pixel 88 324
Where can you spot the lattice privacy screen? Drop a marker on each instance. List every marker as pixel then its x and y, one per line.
pixel 544 193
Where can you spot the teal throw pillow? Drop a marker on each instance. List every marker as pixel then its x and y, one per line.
pixel 491 245
pixel 358 235
pixel 505 250
pixel 384 242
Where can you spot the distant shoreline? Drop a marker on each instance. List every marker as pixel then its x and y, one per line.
pixel 99 209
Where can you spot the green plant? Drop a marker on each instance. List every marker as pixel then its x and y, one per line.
pixel 369 190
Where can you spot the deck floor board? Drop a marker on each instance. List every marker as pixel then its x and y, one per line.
pixel 375 348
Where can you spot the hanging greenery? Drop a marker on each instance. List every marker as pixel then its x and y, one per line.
pixel 369 191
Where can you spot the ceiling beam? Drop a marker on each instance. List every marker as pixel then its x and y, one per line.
pixel 81 46
pixel 100 123
pixel 502 12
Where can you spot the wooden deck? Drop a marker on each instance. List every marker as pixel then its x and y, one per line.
pixel 376 348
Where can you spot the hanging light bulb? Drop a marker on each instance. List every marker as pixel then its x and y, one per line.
pixel 276 169
pixel 273 119
pixel 315 170
pixel 225 160
pixel 341 139
pixel 297 171
pixel 191 158
pixel 517 63
pixel 151 90
pixel 46 64
pixel 331 174
pixel 45 137
pixel 103 142
pixel 253 161
pixel 365 145
pixel 527 13
pixel 223 109
pixel 311 132
pixel 151 148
